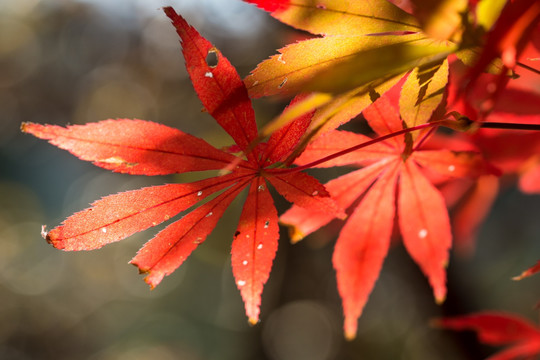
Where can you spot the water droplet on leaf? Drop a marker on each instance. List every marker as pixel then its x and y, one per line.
pixel 104 230
pixel 260 246
pixel 261 188
pixel 208 74
pixel 245 262
pixel 199 193
pixel 209 214
pixel 241 282
pixel 315 193
pixel 422 233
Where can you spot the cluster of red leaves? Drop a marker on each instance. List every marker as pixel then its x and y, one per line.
pixel 404 175
pixel 390 168
pixel 142 147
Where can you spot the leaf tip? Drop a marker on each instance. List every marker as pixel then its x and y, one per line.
pixel 295 234
pixel 253 321
pixel 440 298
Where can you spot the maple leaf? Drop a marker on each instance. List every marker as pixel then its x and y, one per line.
pixel 142 147
pixel 390 166
pixel 495 328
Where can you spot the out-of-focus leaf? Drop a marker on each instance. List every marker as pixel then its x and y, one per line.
pixel 117 145
pixel 254 246
pixel 343 17
pixel 487 12
pixel 440 19
pixel 295 110
pixel 425 226
pixel 499 329
pixel 529 182
pixel 422 93
pixel 530 271
pixel 362 246
pixel 471 212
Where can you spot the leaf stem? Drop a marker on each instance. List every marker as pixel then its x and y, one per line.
pixel 509 126
pixel 536 71
pixel 354 148
pixel 433 125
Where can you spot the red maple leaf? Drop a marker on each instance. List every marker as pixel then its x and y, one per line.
pixel 395 165
pixel 142 147
pixel 500 329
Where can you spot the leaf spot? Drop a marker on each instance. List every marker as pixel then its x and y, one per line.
pixel 422 233
pixel 241 282
pixel 236 233
pixel 261 188
pixel 321 6
pixel 255 83
pixel 208 74
pixel 282 83
pixel 280 59
pixel 247 236
pixel 315 193
pixel 197 241
pixel 266 224
pixel 212 58
pixel 167 217
pixel 116 160
pixel 199 193
pixel 260 246
pixel 209 214
pixel 451 168
pixel 245 262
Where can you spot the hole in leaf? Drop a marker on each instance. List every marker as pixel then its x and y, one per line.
pixel 212 58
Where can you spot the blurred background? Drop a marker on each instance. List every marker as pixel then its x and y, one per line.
pixel 68 61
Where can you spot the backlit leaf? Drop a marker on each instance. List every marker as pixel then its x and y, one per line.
pixel 254 246
pixel 344 190
pixel 116 217
pixel 117 145
pixel 323 64
pixel 170 247
pixel 217 83
pixel 425 226
pixel 422 93
pixel 305 191
pixel 362 247
pixel 283 141
pixel 343 17
pixel 336 141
